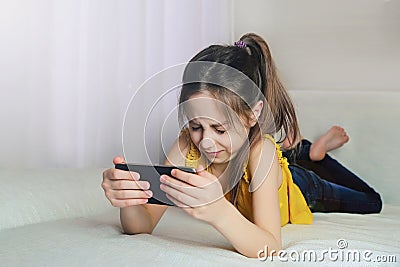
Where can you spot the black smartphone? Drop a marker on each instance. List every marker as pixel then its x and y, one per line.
pixel 152 173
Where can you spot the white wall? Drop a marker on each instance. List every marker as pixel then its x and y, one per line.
pixel 340 61
pixel 325 44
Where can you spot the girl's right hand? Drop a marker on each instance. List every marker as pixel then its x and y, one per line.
pixel 123 188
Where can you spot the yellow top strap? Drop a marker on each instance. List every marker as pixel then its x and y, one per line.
pixel 282 160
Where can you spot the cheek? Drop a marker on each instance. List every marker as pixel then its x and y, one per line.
pixel 196 137
pixel 237 141
pixel 228 141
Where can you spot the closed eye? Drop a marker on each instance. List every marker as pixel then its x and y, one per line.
pixel 196 128
pixel 220 131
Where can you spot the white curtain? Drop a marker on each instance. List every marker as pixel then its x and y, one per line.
pixel 68 69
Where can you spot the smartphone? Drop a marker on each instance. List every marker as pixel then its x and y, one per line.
pixel 152 173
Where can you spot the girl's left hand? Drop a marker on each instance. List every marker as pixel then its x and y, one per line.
pixel 200 195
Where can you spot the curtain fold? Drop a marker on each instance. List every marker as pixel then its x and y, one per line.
pixel 69 69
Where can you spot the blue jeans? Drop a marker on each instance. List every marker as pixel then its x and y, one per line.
pixel 328 186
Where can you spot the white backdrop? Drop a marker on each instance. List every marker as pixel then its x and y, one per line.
pixel 68 69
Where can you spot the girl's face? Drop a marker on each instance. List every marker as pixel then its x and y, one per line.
pixel 210 129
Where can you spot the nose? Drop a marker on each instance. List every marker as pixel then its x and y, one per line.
pixel 207 144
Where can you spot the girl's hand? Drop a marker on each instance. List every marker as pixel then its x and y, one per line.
pixel 123 188
pixel 200 195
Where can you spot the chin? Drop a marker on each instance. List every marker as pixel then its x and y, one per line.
pixel 218 160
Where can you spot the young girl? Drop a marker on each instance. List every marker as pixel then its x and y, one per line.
pixel 243 186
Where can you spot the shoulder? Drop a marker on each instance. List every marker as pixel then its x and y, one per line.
pixel 262 155
pixel 263 159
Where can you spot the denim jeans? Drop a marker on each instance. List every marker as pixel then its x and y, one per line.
pixel 328 186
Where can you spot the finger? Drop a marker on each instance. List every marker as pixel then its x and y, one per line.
pixel 213 181
pixel 175 183
pixel 122 203
pixel 195 179
pixel 186 177
pixel 118 160
pixel 178 195
pixel 131 194
pixel 203 173
pixel 117 174
pixel 185 188
pixel 129 185
pixel 200 168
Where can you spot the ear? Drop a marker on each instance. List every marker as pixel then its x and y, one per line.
pixel 257 109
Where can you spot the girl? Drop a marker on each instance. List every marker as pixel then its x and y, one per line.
pixel 231 104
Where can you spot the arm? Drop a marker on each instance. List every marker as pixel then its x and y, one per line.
pixel 141 218
pixel 247 237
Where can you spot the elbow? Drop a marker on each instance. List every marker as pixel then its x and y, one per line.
pixel 128 230
pixel 131 227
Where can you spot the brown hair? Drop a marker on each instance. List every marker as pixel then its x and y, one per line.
pixel 276 94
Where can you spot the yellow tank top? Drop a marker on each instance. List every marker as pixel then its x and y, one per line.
pixel 293 206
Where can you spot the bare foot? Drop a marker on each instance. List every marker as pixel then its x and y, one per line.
pixel 334 138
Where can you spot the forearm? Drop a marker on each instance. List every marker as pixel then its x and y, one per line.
pixel 136 220
pixel 246 237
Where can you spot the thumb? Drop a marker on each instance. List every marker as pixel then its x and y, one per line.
pixel 118 160
pixel 201 171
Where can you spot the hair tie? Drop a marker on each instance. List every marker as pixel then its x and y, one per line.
pixel 240 44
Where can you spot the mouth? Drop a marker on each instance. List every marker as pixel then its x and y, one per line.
pixel 213 154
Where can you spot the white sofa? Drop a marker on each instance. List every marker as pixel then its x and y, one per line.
pixel 61 217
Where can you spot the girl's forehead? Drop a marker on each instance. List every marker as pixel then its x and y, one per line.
pixel 204 105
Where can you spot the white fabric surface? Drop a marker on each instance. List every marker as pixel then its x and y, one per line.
pixel 70 223
pixel 180 240
pixel 33 196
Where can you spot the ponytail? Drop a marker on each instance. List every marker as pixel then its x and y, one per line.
pixel 276 95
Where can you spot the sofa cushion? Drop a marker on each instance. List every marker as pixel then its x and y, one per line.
pixel 180 240
pixel 33 196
